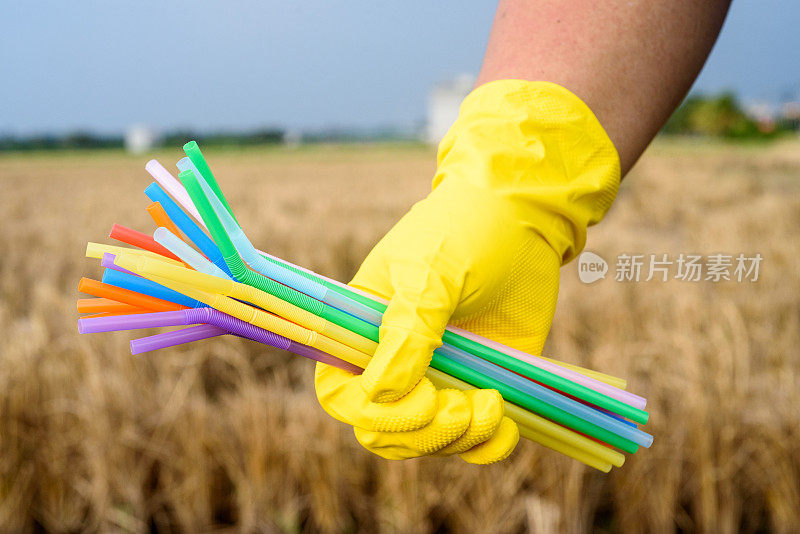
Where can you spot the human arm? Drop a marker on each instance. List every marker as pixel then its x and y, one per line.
pixel 631 62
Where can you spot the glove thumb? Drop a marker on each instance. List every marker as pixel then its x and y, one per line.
pixel 421 301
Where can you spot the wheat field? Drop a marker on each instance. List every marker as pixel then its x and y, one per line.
pixel 225 435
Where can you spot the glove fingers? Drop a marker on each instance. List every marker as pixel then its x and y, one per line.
pixel 496 448
pixel 451 420
pixel 340 394
pixel 487 413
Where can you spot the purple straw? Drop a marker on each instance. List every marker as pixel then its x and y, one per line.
pixel 322 357
pixel 108 262
pixel 245 329
pixel 177 337
pixel 92 325
pixel 208 316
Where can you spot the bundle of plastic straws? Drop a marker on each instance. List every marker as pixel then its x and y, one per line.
pixel 200 272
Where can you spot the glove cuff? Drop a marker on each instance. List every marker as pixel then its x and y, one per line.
pixel 539 146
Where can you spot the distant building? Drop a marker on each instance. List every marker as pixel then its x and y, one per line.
pixel 790 115
pixel 140 139
pixel 443 103
pixel 763 113
pixel 770 116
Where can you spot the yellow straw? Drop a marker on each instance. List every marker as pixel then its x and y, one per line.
pixel 96 250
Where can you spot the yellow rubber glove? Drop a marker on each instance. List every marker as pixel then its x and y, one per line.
pixel 521 174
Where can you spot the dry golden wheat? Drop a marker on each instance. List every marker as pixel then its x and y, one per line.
pixel 225 433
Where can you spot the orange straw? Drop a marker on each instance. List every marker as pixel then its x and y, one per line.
pixel 96 315
pixel 138 239
pixel 100 305
pixel 160 217
pixel 99 289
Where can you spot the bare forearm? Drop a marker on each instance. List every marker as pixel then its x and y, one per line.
pixel 632 62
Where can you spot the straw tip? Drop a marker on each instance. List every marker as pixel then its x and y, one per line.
pixel 191 145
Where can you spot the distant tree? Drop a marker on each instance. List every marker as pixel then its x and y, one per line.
pixel 713 116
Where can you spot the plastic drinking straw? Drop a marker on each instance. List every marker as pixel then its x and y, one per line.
pixel 196 156
pixel 214 318
pixel 107 261
pixel 524 392
pixel 613 381
pixel 100 305
pixel 603 410
pixel 558 401
pixel 228 324
pixel 160 217
pixel 176 337
pixel 204 201
pixel 187 254
pixel 138 239
pixel 144 286
pixel 94 315
pixel 168 182
pixel 603 387
pixel 144 320
pixel 272 323
pixel 99 289
pixel 96 250
pixel 195 234
pixel 212 284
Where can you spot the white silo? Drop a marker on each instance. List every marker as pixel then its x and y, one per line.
pixel 139 139
pixel 443 103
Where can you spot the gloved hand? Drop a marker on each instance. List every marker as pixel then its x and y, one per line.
pixel 521 174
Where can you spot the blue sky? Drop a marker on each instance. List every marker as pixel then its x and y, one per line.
pixel 104 65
